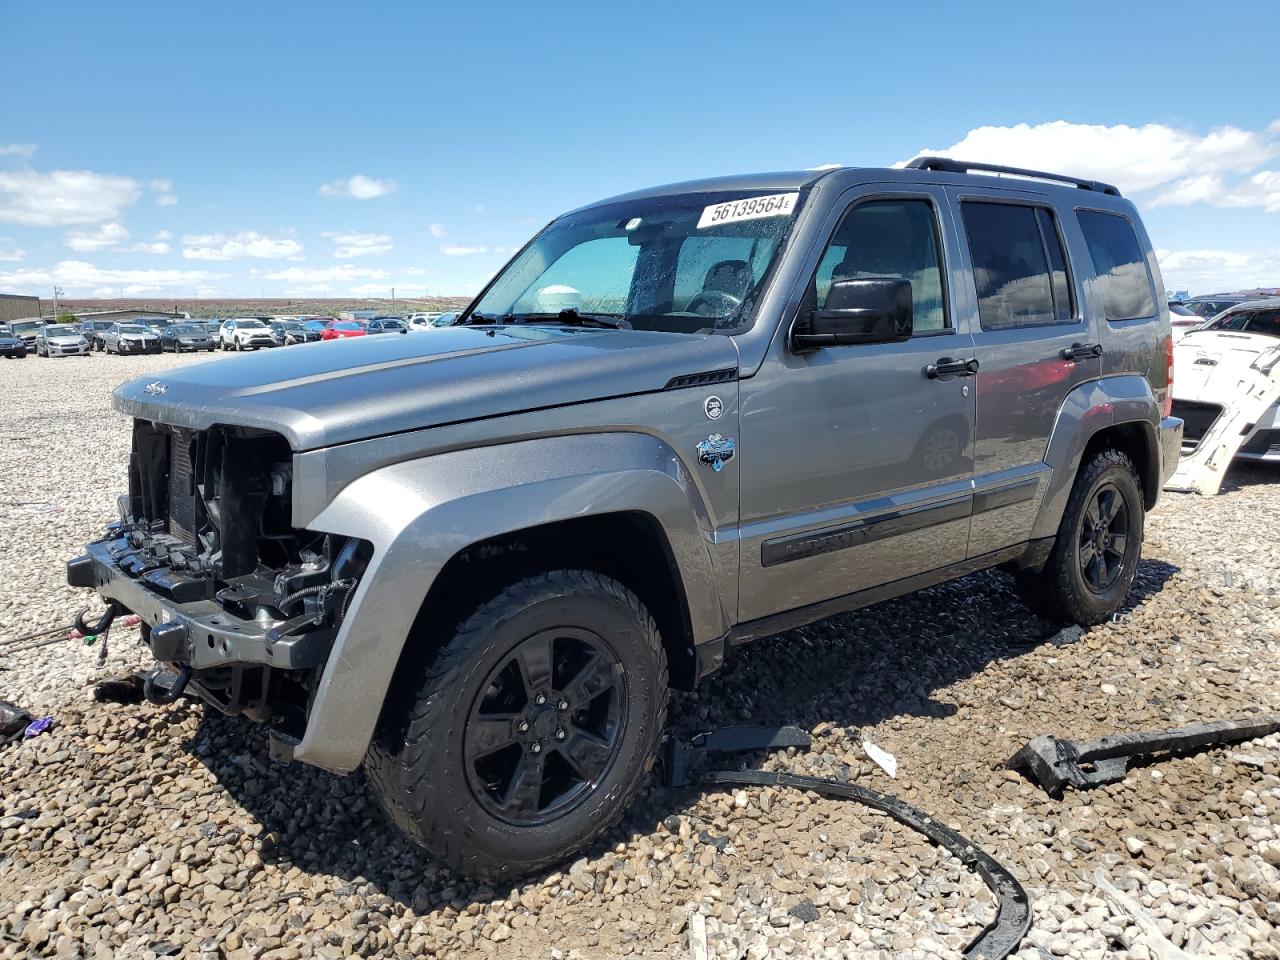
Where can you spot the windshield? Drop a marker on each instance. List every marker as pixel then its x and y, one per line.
pixel 26 326
pixel 346 325
pixel 288 325
pixel 250 324
pixel 182 329
pixel 1265 322
pixel 685 263
pixel 61 330
pixel 133 328
pixel 1180 310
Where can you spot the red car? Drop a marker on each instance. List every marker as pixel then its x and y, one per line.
pixel 342 329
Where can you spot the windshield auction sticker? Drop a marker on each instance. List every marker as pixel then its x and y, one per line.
pixel 750 208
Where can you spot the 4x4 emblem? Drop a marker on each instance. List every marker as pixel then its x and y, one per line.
pixel 716 451
pixel 154 389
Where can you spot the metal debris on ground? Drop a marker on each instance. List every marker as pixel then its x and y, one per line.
pixel 13 721
pixel 996 940
pixel 1054 762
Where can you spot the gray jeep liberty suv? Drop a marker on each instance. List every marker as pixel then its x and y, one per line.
pixel 676 421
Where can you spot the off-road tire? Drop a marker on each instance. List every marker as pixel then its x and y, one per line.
pixel 1059 592
pixel 415 765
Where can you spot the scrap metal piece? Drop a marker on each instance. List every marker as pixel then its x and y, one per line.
pixel 1244 399
pixel 1054 762
pixel 997 939
pixel 681 759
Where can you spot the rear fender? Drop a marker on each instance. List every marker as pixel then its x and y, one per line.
pixel 1088 409
pixel 420 513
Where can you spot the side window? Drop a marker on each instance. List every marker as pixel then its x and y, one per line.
pixel 1018 265
pixel 889 238
pixel 1119 265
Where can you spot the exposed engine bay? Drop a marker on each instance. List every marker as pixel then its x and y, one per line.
pixel 245 605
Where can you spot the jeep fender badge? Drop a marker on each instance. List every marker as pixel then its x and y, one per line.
pixel 716 451
pixel 713 407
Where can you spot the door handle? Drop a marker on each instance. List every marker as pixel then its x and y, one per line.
pixel 946 367
pixel 1080 351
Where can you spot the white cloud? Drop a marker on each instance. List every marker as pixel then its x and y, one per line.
pixel 1133 158
pixel 98 238
pixel 359 187
pixel 246 243
pixel 63 197
pixel 450 250
pixel 414 272
pixel 359 244
pixel 337 273
pixel 158 247
pixel 437 230
pixel 10 251
pixel 163 189
pixel 79 275
pixel 17 149
pixel 1213 271
pixel 1261 189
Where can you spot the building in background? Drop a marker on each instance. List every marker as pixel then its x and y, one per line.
pixel 14 306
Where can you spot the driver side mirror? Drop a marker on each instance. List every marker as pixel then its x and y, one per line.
pixel 875 310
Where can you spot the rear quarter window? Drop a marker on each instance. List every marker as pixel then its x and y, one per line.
pixel 1118 264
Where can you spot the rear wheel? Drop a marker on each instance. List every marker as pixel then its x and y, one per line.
pixel 531 729
pixel 1099 543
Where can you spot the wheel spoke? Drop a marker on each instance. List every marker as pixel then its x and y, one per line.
pixel 534 660
pixel 525 790
pixel 1093 515
pixel 1086 553
pixel 586 753
pixel 491 732
pixel 1098 571
pixel 593 678
pixel 1119 542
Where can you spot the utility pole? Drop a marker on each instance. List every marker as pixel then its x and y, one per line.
pixel 393 299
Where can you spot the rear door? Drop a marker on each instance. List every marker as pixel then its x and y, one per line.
pixel 1034 344
pixel 856 463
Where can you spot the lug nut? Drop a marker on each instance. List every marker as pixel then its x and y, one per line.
pixel 524 726
pixel 540 699
pixel 536 748
pixel 563 705
pixel 559 734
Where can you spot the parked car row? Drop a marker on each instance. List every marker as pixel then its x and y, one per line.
pixel 45 339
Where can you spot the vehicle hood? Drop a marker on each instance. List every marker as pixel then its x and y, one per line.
pixel 1209 365
pixel 64 338
pixel 320 394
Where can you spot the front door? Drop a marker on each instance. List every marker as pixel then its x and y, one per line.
pixel 1034 345
pixel 856 461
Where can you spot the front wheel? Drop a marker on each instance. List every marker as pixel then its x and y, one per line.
pixel 1099 543
pixel 530 731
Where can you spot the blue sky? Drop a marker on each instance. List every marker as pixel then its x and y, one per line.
pixel 176 149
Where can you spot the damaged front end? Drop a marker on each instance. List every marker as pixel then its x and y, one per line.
pixel 243 605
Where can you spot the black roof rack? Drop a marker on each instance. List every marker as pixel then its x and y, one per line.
pixel 948 165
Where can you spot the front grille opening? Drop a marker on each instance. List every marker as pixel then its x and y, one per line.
pixel 1198 419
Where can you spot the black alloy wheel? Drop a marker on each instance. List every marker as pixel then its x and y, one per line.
pixel 546 726
pixel 1104 538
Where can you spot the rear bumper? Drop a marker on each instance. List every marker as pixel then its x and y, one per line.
pixel 1170 437
pixel 201 634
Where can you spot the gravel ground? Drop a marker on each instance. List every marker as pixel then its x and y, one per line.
pixel 140 831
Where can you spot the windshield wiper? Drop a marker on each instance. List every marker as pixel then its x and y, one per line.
pixel 485 318
pixel 575 317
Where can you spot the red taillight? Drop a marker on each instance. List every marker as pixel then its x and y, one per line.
pixel 1168 387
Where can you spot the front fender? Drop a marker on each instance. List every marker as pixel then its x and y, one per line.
pixel 1091 407
pixel 420 513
